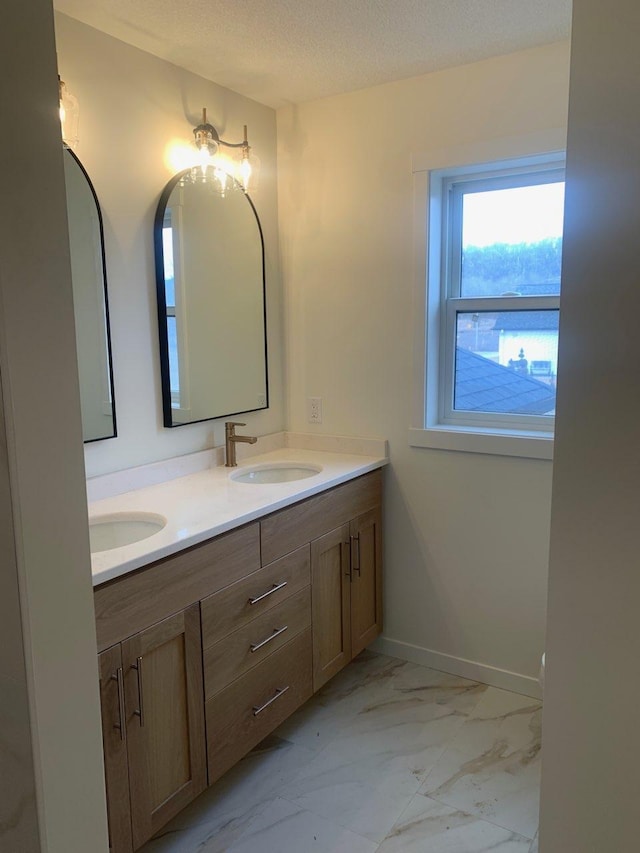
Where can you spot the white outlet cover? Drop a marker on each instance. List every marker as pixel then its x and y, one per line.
pixel 314 410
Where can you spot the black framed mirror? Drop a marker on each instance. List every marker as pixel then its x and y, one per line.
pixel 90 303
pixel 210 280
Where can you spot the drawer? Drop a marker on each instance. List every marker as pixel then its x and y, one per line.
pixel 230 609
pixel 134 601
pixel 289 528
pixel 240 716
pixel 248 646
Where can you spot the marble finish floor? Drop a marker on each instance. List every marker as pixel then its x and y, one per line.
pixel 389 757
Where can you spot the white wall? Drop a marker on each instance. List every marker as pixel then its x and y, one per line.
pixel 466 535
pixel 591 773
pixel 43 535
pixel 132 105
pixel 18 814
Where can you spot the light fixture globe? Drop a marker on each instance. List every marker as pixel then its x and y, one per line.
pixel 248 169
pixel 223 172
pixel 69 115
pixel 206 136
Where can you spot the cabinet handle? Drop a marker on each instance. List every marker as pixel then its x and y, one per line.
pixel 280 691
pixel 276 633
pixel 140 712
pixel 347 574
pixel 273 589
pixel 355 541
pixel 120 682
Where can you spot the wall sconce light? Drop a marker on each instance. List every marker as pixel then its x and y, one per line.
pixel 69 115
pixel 223 169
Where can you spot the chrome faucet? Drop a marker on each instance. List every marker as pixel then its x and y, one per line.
pixel 230 439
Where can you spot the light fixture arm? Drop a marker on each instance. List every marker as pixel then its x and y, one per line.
pixel 208 142
pixel 243 144
pixel 206 134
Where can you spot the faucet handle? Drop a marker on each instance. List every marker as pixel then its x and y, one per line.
pixel 231 425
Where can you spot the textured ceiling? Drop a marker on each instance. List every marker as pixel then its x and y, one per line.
pixel 281 51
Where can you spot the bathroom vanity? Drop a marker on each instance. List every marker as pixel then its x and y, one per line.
pixel 205 652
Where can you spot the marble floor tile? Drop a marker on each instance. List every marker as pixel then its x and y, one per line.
pixel 360 801
pixel 427 826
pixel 343 774
pixel 324 716
pixel 221 813
pixel 438 687
pixel 364 670
pixel 367 774
pixel 491 768
pixel 282 827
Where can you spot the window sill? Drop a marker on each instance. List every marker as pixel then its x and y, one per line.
pixel 527 445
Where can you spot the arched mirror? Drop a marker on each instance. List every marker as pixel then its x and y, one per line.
pixel 211 302
pixel 90 303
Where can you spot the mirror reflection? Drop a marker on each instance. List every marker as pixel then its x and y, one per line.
pixel 90 303
pixel 211 302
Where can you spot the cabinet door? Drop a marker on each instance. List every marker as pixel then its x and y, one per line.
pixel 165 720
pixel 366 579
pixel 114 741
pixel 330 584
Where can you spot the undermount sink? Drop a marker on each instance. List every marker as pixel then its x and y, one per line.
pixel 122 528
pixel 275 472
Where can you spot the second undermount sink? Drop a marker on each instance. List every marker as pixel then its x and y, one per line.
pixel 122 528
pixel 275 472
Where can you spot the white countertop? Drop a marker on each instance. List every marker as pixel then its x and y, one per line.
pixel 207 503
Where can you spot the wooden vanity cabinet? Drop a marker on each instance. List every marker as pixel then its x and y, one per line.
pixel 165 722
pixel 230 636
pixel 153 727
pixel 343 527
pixel 257 657
pixel 346 577
pixel 114 743
pixel 301 523
pixel 252 706
pixel 331 583
pixel 365 606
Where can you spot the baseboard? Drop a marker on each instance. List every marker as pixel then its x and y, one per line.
pixel 491 675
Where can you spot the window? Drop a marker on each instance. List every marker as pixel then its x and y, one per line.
pixel 494 262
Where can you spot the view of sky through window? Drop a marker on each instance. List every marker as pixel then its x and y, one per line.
pixel 515 215
pixel 512 241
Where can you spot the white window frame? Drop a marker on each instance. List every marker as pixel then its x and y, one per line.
pixel 433 423
pixel 454 186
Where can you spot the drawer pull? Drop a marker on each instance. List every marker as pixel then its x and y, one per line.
pixel 355 542
pixel 280 691
pixel 347 544
pixel 121 725
pixel 140 712
pixel 276 633
pixel 273 589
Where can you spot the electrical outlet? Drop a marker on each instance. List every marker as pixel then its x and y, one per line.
pixel 314 410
